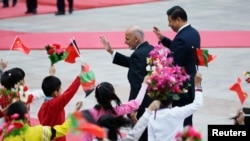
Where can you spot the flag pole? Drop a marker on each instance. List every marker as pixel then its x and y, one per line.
pixel 72 41
pixel 8 54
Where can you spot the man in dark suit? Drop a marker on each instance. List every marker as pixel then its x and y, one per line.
pixel 136 64
pixel 183 47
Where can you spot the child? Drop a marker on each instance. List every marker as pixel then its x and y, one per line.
pixel 52 110
pixel 113 124
pixel 21 130
pixel 10 79
pixel 105 94
pixel 167 121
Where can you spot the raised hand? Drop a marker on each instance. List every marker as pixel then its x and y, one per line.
pixel 106 44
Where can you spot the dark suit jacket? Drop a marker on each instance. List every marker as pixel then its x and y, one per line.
pixel 136 64
pixel 183 47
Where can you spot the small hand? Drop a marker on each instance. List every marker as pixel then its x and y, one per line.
pixel 154 105
pixel 3 64
pixel 52 70
pixel 198 79
pixel 133 116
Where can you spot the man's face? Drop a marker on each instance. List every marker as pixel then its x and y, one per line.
pixel 131 40
pixel 174 24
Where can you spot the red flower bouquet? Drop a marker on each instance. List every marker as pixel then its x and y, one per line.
pixel 55 53
pixel 188 134
pixel 165 78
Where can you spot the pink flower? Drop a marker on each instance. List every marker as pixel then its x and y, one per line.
pixel 14 116
pixel 165 78
pixel 188 134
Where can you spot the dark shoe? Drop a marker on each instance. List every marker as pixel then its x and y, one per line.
pixel 59 13
pixel 34 11
pixel 5 6
pixel 70 11
pixel 14 3
pixel 28 12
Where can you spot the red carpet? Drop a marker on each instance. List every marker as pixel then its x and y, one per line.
pixel 49 6
pixel 90 40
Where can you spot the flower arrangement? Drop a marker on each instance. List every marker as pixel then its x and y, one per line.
pixel 55 53
pixel 165 78
pixel 17 93
pixel 188 134
pixel 13 127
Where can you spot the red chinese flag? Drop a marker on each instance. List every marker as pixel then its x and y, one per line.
pixel 204 57
pixel 18 45
pixel 237 88
pixel 72 54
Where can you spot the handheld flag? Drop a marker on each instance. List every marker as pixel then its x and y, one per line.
pixel 72 53
pixel 81 123
pixel 204 57
pixel 18 45
pixel 87 78
pixel 55 53
pixel 237 88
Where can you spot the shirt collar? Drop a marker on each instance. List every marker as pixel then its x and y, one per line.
pixel 187 24
pixel 47 98
pixel 140 44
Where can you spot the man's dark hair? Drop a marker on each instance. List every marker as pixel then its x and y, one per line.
pixel 177 11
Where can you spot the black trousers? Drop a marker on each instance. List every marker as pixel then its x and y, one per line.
pixel 61 5
pixel 6 2
pixel 31 5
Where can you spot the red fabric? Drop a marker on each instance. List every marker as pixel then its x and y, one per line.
pixel 92 129
pixel 52 112
pixel 237 88
pixel 4 102
pixel 18 45
pixel 72 54
pixel 209 39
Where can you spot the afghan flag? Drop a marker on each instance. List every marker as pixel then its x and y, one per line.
pixel 81 123
pixel 237 88
pixel 88 81
pixel 72 53
pixel 204 57
pixel 18 45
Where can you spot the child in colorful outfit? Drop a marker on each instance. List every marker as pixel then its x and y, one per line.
pixel 52 110
pixel 105 94
pixel 164 123
pixel 22 131
pixel 163 120
pixel 9 80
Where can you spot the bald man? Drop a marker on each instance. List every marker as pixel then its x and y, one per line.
pixel 136 64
